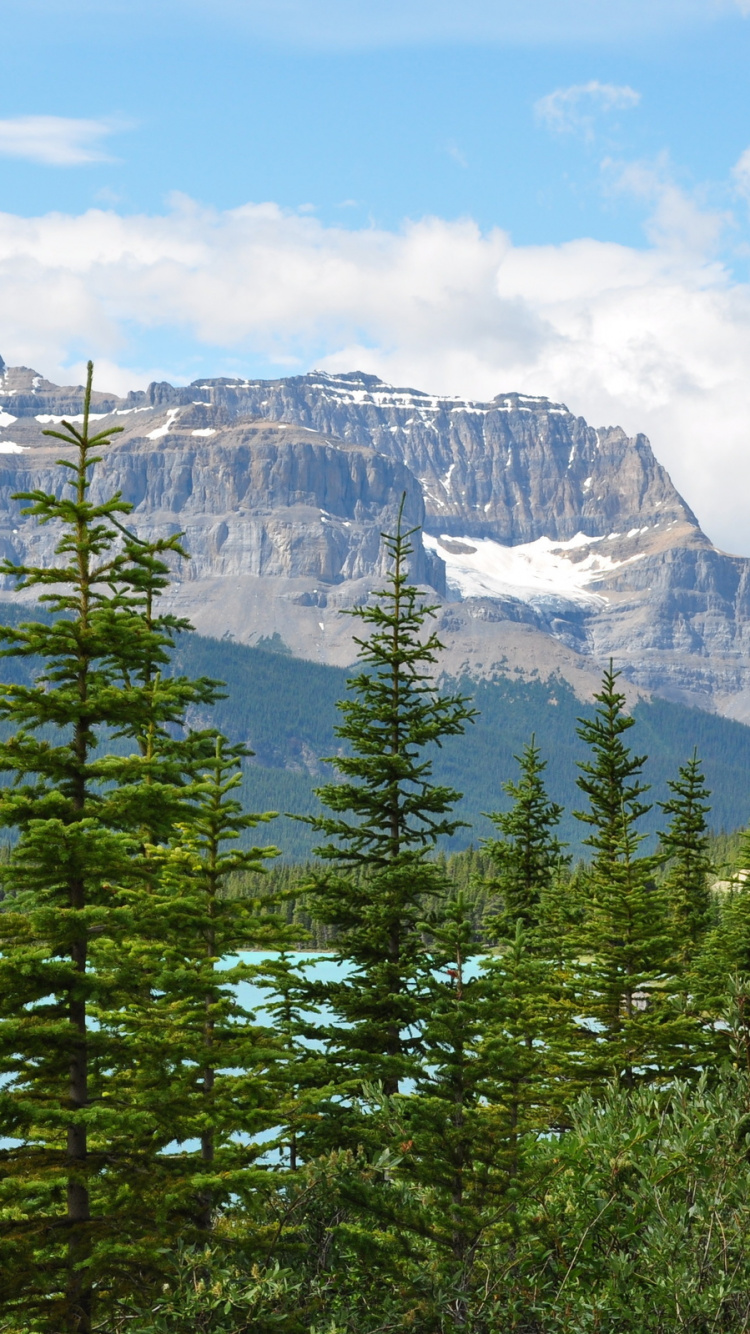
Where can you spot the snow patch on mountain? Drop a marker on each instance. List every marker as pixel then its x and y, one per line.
pixel 532 571
pixel 52 419
pixel 166 427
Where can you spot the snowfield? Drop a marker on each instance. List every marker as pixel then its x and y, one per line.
pixel 532 572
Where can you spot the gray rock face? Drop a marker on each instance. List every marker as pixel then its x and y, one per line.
pixel 254 499
pixel 515 469
pixel 562 545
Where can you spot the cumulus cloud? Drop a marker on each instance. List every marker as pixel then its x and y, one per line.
pixel 574 109
pixel 655 339
pixel 55 141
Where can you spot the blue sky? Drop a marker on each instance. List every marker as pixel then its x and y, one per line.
pixel 372 120
pixel 550 197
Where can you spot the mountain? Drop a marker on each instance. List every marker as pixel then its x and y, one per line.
pixel 548 545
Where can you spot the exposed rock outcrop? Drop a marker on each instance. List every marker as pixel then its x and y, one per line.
pixel 563 544
pixel 254 499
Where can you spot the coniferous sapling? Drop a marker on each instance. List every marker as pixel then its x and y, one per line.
pixel 626 941
pixel 528 857
pixel 686 843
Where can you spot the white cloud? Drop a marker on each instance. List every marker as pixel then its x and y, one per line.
pixel 574 109
pixel 741 169
pixel 656 339
pixel 678 220
pixel 342 23
pixel 350 24
pixel 55 141
pixel 453 151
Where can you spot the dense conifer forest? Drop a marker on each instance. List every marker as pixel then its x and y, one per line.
pixel 511 1092
pixel 290 737
pixel 285 710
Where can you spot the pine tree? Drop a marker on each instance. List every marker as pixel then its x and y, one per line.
pixel 205 1068
pixel 460 1151
pixel 75 807
pixel 686 844
pixel 720 969
pixel 528 858
pixel 530 1019
pixel 627 942
pixel 300 1071
pixel 388 814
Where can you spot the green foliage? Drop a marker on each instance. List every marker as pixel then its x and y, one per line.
pixel 399 1144
pixel 720 972
pixel 105 799
pixel 387 815
pixel 79 812
pixel 460 1137
pixel 686 844
pixel 528 859
pixel 635 1027
pixel 284 890
pixel 644 1225
pixel 206 1292
pixel 204 1066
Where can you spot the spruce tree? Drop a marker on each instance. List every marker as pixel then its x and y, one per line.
pixel 75 807
pixel 528 858
pixel 686 843
pixel 460 1151
pixel 530 1020
pixel 456 1167
pixel 387 815
pixel 720 969
pixel 626 942
pixel 300 1071
pixel 205 1068
pixel 164 758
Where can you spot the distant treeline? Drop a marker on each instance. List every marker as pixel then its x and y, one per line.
pixel 290 735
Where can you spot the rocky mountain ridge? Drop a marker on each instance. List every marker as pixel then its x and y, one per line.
pixel 549 545
pixel 515 469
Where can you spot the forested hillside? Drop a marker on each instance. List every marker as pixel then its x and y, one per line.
pixel 285 709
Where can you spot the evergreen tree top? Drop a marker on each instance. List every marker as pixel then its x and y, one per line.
pixel 611 779
pixel 395 710
pixel 528 855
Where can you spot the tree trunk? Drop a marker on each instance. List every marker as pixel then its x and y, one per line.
pixel 78 1292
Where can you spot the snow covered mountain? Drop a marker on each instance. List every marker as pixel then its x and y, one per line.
pixel 549 545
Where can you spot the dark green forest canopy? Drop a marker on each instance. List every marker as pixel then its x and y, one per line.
pixel 284 708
